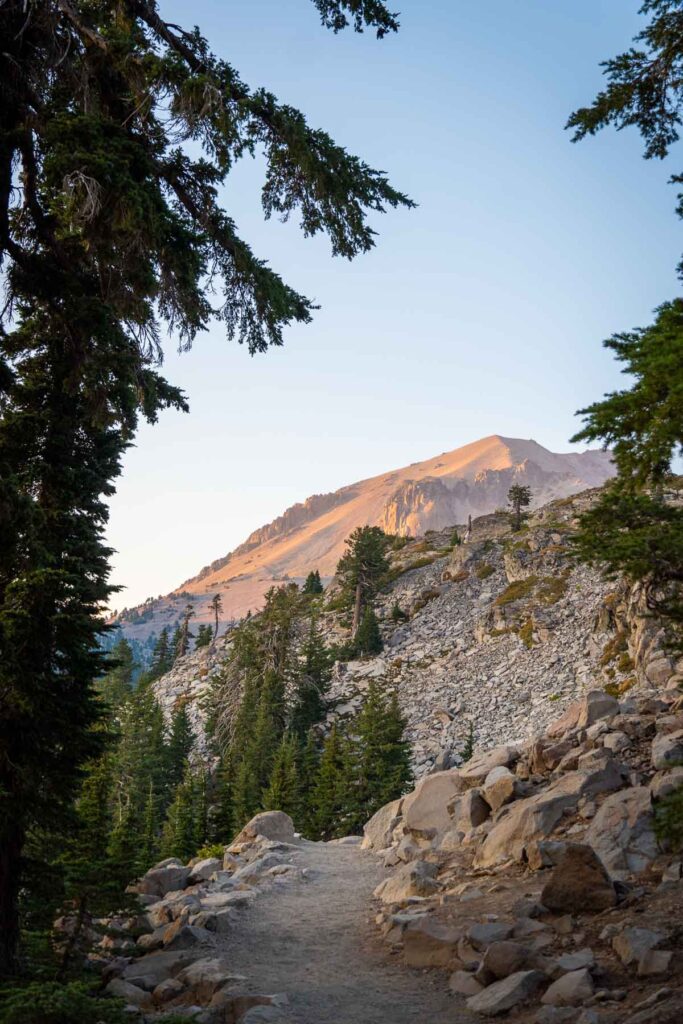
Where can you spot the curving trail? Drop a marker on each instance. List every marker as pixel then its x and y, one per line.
pixel 312 939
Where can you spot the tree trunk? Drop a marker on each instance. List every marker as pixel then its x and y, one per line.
pixel 357 608
pixel 11 842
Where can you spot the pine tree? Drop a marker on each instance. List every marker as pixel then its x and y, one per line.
pixel 200 809
pixel 363 568
pixel 397 613
pixel 329 797
pixel 116 686
pixel 204 637
pixel 308 766
pixel 179 746
pixel 118 182
pixel 313 584
pixel 519 498
pixel 217 608
pixel 283 790
pixel 222 818
pixel 184 634
pixel 368 640
pixel 162 656
pixel 179 832
pixel 311 683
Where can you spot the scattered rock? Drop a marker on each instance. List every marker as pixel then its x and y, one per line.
pixel 464 984
pixel 499 787
pixel 667 749
pixel 504 995
pixel 653 962
pixel 572 989
pixel 160 880
pixel 414 879
pixel 631 944
pixel 425 808
pixel 428 943
pixel 377 832
pixel 579 883
pixel 622 832
pixel 274 825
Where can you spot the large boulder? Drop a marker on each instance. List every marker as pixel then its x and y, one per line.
pixel 535 817
pixel 469 810
pixel 596 705
pixel 667 749
pixel 275 825
pixel 415 879
pixel 161 880
pixel 149 971
pixel 205 977
pixel 474 771
pixel 506 994
pixel 572 989
pixel 425 809
pixel 133 995
pixel 429 943
pixel 622 832
pixel 579 883
pixel 631 944
pixel 378 831
pixel 499 787
pixel 203 869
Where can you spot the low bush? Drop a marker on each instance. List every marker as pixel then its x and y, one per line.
pixel 483 571
pixel 52 1003
pixel 516 591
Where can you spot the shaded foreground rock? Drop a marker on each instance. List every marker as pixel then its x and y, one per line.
pixel 503 995
pixel 579 883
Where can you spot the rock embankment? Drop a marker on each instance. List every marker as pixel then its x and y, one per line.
pixel 534 873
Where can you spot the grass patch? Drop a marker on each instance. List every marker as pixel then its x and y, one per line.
pixel 614 648
pixel 516 591
pixel 619 689
pixel 625 662
pixel 483 571
pixel 553 588
pixel 526 633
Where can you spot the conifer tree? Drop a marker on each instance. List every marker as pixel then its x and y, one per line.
pixel 363 568
pixel 200 809
pixel 368 640
pixel 184 634
pixel 312 682
pixel 179 832
pixel 162 657
pixel 116 685
pixel 519 498
pixel 283 791
pixel 312 584
pixel 217 608
pixel 222 818
pixel 118 183
pixel 180 743
pixel 329 798
pixel 308 766
pixel 204 636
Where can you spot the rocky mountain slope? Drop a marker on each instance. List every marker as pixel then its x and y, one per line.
pixel 501 634
pixel 430 495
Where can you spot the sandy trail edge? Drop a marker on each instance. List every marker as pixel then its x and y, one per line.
pixel 312 940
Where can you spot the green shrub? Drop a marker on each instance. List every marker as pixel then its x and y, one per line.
pixel 213 850
pixel 52 1003
pixel 516 591
pixel 552 588
pixel 526 633
pixel 669 820
pixel 397 613
pixel 483 571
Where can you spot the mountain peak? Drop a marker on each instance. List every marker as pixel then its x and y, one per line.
pixel 433 494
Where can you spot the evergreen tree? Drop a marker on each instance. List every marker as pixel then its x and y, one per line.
pixel 179 832
pixel 200 809
pixel 247 793
pixel 329 797
pixel 283 791
pixel 116 685
pixel 378 758
pixel 222 819
pixel 162 656
pixel 519 498
pixel 311 683
pixel 397 613
pixel 184 634
pixel 368 639
pixel 363 568
pixel 308 766
pixel 313 584
pixel 632 529
pixel 204 637
pixel 118 183
pixel 217 608
pixel 179 747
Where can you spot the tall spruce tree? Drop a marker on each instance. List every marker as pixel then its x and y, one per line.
pixel 179 746
pixel 117 129
pixel 329 797
pixel 312 584
pixel 363 568
pixel 216 608
pixel 116 686
pixel 368 639
pixel 519 498
pixel 162 655
pixel 283 790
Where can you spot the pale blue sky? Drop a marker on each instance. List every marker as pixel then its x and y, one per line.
pixel 480 312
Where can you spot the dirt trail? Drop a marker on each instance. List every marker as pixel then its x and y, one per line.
pixel 312 940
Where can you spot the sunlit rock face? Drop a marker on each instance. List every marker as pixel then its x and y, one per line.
pixel 430 495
